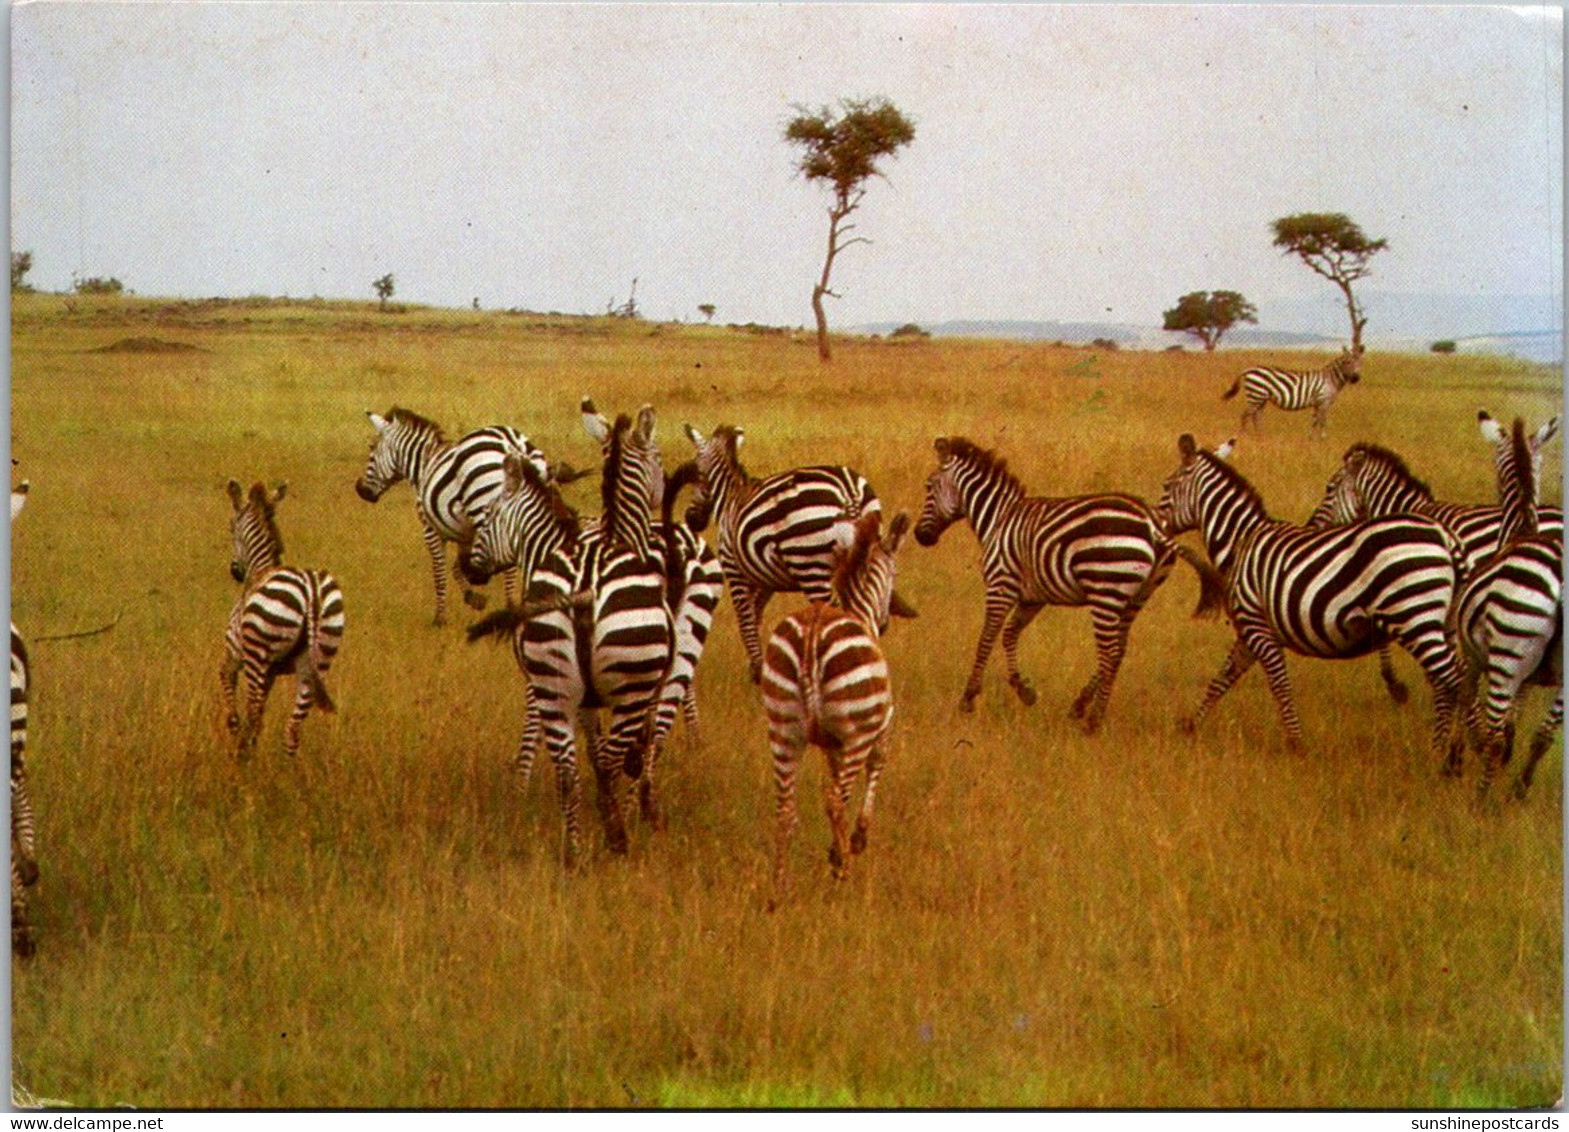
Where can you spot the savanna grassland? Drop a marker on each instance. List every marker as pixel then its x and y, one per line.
pixel 1139 918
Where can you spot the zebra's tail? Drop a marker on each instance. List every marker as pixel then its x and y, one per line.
pixel 310 671
pixel 1212 583
pixel 1236 387
pixel 506 622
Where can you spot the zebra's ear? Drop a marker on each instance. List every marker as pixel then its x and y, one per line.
pixel 1492 431
pixel 1355 457
pixel 898 607
pixel 377 419
pixel 594 422
pixel 282 490
pixel 645 424
pixel 1187 447
pixel 18 498
pixel 512 471
pixel 740 435
pixel 940 445
pixel 693 435
pixel 1544 434
pixel 1224 451
pixel 896 532
pixel 236 494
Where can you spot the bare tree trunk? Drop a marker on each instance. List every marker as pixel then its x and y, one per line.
pixel 835 215
pixel 1358 320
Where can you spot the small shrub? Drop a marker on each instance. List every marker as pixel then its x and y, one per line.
pixel 909 330
pixel 1104 343
pixel 94 285
pixel 1444 346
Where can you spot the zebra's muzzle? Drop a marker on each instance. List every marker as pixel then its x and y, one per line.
pixel 927 535
pixel 237 572
pixel 366 492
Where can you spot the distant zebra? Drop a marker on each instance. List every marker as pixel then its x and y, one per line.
pixel 286 620
pixel 1296 389
pixel 24 853
pixel 1332 593
pixel 825 682
pixel 1374 482
pixel 453 482
pixel 601 637
pixel 1509 613
pixel 776 535
pixel 1105 551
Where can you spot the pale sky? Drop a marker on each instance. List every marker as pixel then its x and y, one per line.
pixel 1070 162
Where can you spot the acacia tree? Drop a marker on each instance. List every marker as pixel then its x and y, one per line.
pixel 842 149
pixel 21 264
pixel 384 287
pixel 1333 246
pixel 1206 315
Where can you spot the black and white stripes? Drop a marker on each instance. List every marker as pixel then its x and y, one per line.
pixel 24 851
pixel 287 620
pixel 1297 389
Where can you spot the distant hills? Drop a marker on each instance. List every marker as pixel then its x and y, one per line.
pixel 1528 326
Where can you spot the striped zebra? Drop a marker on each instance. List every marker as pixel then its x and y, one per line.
pixel 1297 389
pixel 453 482
pixel 1373 482
pixel 24 853
pixel 1322 593
pixel 776 535
pixel 287 620
pixel 1104 551
pixel 1509 612
pixel 825 682
pixel 597 635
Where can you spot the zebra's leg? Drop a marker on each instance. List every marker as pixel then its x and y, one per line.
pixel 1018 621
pixel 863 822
pixel 836 801
pixel 749 604
pixel 1273 659
pixel 998 605
pixel 228 674
pixel 1386 668
pixel 302 706
pixel 512 585
pixel 258 683
pixel 1430 646
pixel 609 753
pixel 689 713
pixel 787 742
pixel 1541 743
pixel 1250 416
pixel 471 596
pixel 437 549
pixel 1111 644
pixel 1238 661
pixel 22 941
pixel 1320 419
pixel 569 788
pixel 24 862
pixel 523 761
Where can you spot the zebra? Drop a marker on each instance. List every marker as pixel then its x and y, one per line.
pixel 1324 593
pixel 1373 482
pixel 597 634
pixel 825 682
pixel 1296 389
pixel 776 535
pixel 286 620
pixel 24 853
pixel 694 581
pixel 1509 613
pixel 1106 551
pixel 453 482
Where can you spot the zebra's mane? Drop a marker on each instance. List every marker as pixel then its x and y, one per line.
pixel 610 482
pixel 726 435
pixel 1393 461
pixel 855 556
pixel 267 513
pixel 1524 467
pixel 1235 479
pixel 414 420
pixel 984 459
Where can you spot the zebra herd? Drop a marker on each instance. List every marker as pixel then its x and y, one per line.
pixel 611 614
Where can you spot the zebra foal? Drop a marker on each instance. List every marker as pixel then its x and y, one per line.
pixel 1297 389
pixel 825 683
pixel 286 620
pixel 1332 594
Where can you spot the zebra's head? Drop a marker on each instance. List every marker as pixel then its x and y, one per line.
pixel 18 498
pixel 633 484
pixel 1351 365
pixel 528 513
pixel 1182 494
pixel 1343 500
pixel 944 503
pixel 382 468
pixel 716 458
pixel 1517 463
pixel 864 571
pixel 257 543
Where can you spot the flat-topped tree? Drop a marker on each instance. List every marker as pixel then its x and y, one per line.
pixel 1207 315
pixel 1333 246
pixel 842 149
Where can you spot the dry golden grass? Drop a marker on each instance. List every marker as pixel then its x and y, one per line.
pixel 1134 919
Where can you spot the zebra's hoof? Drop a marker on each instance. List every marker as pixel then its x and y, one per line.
pixel 1186 725
pixel 22 943
pixel 27 872
pixel 232 722
pixel 1026 692
pixel 1521 789
pixel 1452 768
pixel 1090 724
pixel 858 841
pixel 967 704
pixel 474 600
pixel 836 860
pixel 439 620
pixel 1399 692
pixel 632 765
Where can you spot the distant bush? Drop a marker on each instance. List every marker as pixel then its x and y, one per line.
pixel 93 285
pixel 1445 346
pixel 1104 343
pixel 909 330
pixel 21 264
